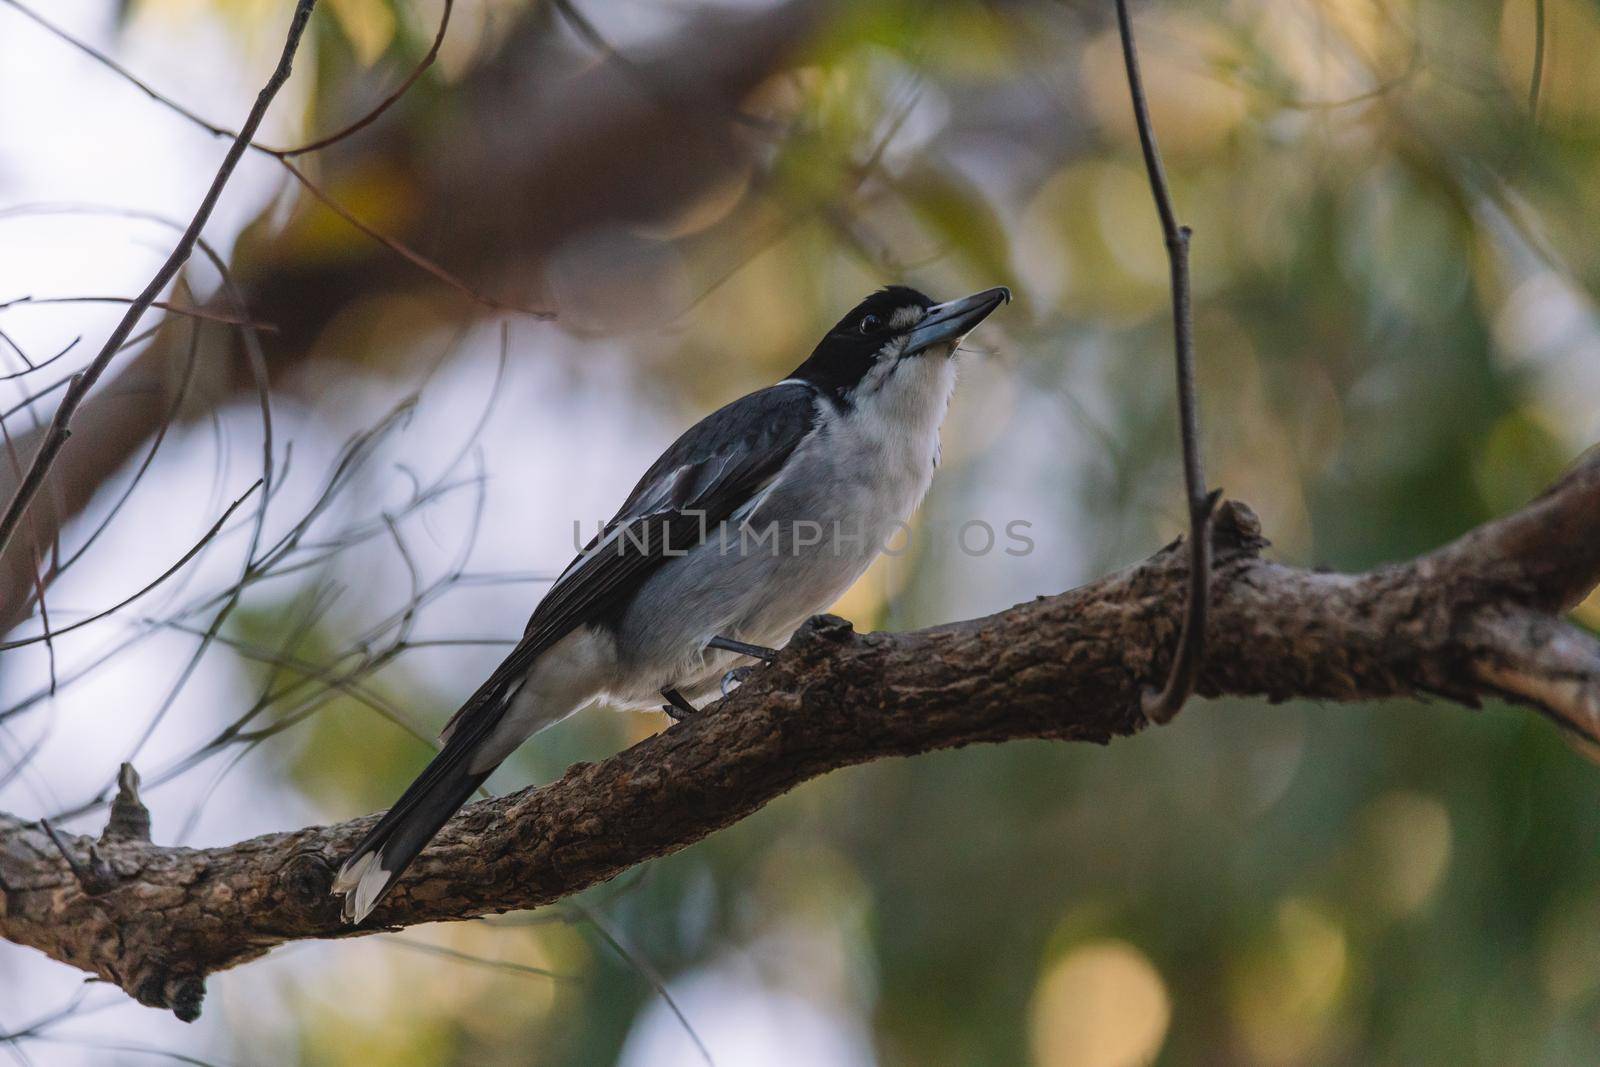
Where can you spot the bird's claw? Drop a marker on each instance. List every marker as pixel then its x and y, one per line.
pixel 735 677
pixel 677 707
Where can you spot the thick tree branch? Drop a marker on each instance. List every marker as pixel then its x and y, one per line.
pixel 1473 620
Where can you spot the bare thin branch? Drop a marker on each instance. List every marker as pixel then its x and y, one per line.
pixel 1161 706
pixel 182 561
pixel 53 442
pixel 285 155
pixel 410 255
pixel 1536 80
pixel 387 102
pixel 160 305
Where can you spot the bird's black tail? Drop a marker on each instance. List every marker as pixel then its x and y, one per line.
pixel 384 854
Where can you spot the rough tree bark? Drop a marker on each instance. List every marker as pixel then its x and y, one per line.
pixel 1477 619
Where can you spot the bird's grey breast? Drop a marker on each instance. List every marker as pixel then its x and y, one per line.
pixel 801 541
pixel 865 469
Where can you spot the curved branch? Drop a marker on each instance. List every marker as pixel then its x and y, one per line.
pixel 1163 704
pixel 1470 621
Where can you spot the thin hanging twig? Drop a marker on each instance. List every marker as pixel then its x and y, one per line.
pixel 78 390
pixel 216 130
pixel 404 251
pixel 1160 707
pixel 1536 81
pixel 284 156
pixel 383 105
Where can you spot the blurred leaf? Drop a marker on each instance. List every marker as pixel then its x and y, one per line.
pixel 961 219
pixel 369 25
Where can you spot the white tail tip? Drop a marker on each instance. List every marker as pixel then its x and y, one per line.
pixel 362 883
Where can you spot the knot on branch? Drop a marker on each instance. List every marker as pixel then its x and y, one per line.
pixel 93 874
pixel 822 630
pixel 1235 534
pixel 306 880
pixel 130 819
pixel 181 994
pixel 1236 530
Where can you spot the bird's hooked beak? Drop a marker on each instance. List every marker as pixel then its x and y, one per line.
pixel 954 319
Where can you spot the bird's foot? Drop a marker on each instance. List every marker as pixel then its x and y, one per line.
pixel 734 678
pixel 677 706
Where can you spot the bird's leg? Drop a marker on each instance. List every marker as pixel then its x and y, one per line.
pixel 728 644
pixel 677 706
pixel 737 675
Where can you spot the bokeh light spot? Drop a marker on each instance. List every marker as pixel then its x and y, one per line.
pixel 1103 1004
pixel 1288 987
pixel 1405 843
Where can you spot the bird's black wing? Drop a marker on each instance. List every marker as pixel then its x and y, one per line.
pixel 717 466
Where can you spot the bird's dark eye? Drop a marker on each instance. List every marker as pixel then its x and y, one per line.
pixel 870 323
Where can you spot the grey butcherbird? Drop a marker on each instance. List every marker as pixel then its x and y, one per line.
pixel 730 540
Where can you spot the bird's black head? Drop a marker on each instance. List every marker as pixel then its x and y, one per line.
pixel 893 323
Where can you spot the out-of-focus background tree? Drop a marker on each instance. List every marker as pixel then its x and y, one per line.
pixel 1394 254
